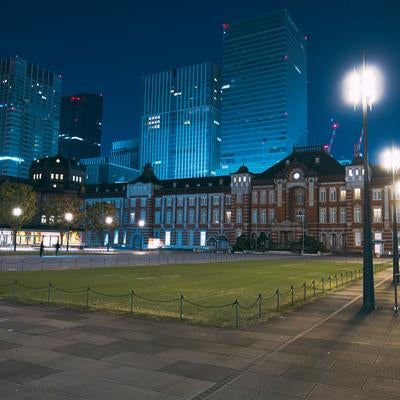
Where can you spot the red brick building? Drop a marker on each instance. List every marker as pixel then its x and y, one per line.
pixel 308 191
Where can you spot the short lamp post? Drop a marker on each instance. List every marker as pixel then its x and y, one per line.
pixel 141 224
pixel 109 221
pixel 68 217
pixel 16 212
pixel 362 88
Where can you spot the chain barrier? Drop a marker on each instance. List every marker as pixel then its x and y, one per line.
pixel 322 285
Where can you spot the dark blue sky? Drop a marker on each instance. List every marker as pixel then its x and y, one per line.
pixel 105 46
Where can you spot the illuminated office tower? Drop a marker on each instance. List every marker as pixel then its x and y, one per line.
pixel 81 125
pixel 264 85
pixel 180 122
pixel 29 115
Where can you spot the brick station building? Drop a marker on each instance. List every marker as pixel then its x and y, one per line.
pixel 308 191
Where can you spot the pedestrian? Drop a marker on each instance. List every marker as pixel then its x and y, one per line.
pixel 57 247
pixel 41 250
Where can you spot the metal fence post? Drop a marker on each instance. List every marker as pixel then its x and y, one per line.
pixel 305 290
pixel 260 310
pixel 1 266
pixel 87 297
pixel 181 308
pixel 277 300
pixel 14 289
pixel 347 277
pixel 323 284
pixel 314 289
pixel 330 282
pixel 292 295
pixel 341 277
pixel 336 279
pixel 237 316
pixel 49 294
pixel 132 299
pixel 22 265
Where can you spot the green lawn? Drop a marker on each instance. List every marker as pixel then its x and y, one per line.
pixel 204 284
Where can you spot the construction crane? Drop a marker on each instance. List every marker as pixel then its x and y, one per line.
pixel 334 126
pixel 357 146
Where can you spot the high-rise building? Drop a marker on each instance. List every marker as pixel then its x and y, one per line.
pixel 264 85
pixel 29 115
pixel 180 121
pixel 125 152
pixel 80 125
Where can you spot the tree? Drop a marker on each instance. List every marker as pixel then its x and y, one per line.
pixel 96 216
pixel 263 241
pixel 19 197
pixel 55 208
pixel 242 243
pixel 311 245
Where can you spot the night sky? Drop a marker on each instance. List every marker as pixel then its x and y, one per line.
pixel 105 48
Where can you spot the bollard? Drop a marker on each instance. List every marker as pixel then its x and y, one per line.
pixel 87 297
pixel 305 290
pixel 181 308
pixel 132 298
pixel 336 279
pixel 341 277
pixel 330 282
pixel 314 289
pixel 260 310
pixel 351 275
pixel 237 316
pixel 347 277
pixel 277 300
pixel 292 295
pixel 49 294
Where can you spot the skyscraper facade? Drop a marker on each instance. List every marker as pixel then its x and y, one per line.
pixel 29 115
pixel 180 121
pixel 81 125
pixel 125 152
pixel 264 85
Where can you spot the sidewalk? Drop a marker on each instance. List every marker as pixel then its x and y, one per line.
pixel 324 350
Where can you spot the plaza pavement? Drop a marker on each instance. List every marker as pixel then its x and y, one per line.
pixel 323 350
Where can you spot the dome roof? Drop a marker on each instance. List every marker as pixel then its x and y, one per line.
pixel 242 170
pixel 57 161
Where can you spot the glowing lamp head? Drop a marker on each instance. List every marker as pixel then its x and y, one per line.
pixel 17 212
pixel 68 217
pixel 141 223
pixel 109 220
pixel 363 86
pixel 390 159
pixel 335 125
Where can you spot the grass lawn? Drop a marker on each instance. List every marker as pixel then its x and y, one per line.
pixel 205 284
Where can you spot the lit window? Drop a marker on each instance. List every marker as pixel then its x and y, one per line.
pixel 216 216
pixel 202 238
pixel 132 218
pixel 322 195
pixel 322 215
pixel 342 194
pixel 377 215
pixel 167 238
pixel 51 176
pixel 228 217
pixel 357 193
pixel 357 214
pixel 357 239
pixel 61 177
pixel 239 216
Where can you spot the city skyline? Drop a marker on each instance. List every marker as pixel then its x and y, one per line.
pixel 121 54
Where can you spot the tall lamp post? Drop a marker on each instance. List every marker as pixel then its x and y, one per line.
pixel 16 212
pixel 391 161
pixel 109 221
pixel 68 217
pixel 141 224
pixel 362 88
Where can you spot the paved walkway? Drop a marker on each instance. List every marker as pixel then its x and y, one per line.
pixel 324 350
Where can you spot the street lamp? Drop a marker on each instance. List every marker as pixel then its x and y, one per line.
pixel 16 212
pixel 68 217
pixel 109 221
pixel 141 224
pixel 363 86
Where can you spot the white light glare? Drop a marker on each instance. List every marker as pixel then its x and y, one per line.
pixel 109 220
pixel 390 159
pixel 363 85
pixel 17 212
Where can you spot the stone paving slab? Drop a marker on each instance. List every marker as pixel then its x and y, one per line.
pixel 312 352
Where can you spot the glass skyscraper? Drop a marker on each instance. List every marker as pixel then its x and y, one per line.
pixel 81 125
pixel 264 86
pixel 29 115
pixel 180 121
